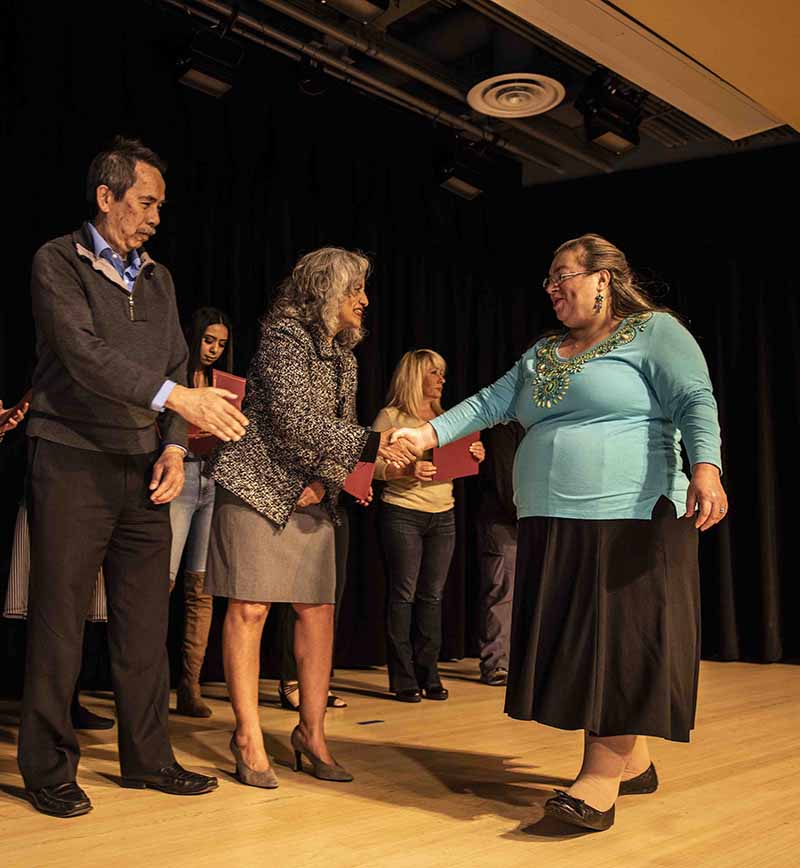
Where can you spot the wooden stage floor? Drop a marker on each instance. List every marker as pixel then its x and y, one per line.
pixel 438 785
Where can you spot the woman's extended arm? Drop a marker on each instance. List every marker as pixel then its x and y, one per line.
pixel 485 409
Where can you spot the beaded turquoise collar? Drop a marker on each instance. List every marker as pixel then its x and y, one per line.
pixel 552 373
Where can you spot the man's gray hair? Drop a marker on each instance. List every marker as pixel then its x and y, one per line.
pixel 115 168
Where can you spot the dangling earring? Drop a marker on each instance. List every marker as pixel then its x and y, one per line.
pixel 598 302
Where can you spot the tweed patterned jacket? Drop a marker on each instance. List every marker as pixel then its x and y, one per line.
pixel 300 400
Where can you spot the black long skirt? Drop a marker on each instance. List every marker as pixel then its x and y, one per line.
pixel 605 634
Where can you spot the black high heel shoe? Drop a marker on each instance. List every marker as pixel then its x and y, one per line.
pixel 576 812
pixel 285 690
pixel 646 782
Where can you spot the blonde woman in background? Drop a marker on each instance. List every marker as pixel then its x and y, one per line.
pixel 418 533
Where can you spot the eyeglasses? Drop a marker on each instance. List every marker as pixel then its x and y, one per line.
pixel 557 281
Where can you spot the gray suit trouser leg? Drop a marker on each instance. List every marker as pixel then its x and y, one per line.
pixel 498 555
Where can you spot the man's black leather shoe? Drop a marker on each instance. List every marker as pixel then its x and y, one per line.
pixel 173 779
pixel 62 800
pixel 436 692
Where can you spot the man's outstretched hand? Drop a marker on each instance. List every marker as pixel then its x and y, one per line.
pixel 208 409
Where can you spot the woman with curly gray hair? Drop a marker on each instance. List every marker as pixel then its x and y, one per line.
pixel 272 536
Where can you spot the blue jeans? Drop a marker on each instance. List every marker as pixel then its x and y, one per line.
pixel 190 516
pixel 418 547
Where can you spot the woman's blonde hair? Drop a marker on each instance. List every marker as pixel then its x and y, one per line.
pixel 405 389
pixel 314 290
pixel 595 253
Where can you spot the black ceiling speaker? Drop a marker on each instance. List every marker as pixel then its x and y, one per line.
pixel 469 169
pixel 611 112
pixel 209 62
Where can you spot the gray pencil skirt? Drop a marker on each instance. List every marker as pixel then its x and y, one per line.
pixel 250 558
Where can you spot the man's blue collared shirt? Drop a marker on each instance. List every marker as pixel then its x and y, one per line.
pixel 128 271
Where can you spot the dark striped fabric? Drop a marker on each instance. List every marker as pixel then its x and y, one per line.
pixel 16 605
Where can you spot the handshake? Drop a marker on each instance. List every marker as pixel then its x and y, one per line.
pixel 403 446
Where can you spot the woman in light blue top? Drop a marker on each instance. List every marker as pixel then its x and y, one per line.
pixel 605 633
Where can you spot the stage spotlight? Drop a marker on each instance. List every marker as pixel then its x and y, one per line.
pixel 460 176
pixel 470 169
pixel 209 63
pixel 611 112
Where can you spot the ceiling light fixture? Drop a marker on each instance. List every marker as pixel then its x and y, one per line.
pixel 611 112
pixel 210 62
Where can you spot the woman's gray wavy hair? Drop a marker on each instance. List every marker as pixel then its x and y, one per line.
pixel 314 290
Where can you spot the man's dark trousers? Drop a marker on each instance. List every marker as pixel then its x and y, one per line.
pixel 498 557
pixel 86 509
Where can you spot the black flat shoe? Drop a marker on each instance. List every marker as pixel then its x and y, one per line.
pixel 576 812
pixel 62 800
pixel 496 678
pixel 82 718
pixel 410 695
pixel 437 692
pixel 646 782
pixel 173 779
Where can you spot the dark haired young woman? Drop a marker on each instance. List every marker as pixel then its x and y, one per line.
pixel 210 339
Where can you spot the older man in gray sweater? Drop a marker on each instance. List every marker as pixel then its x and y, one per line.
pixel 108 436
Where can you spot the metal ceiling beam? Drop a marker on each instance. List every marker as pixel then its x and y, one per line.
pixel 379 52
pixel 245 24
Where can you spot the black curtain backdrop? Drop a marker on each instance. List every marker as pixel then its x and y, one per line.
pixel 266 174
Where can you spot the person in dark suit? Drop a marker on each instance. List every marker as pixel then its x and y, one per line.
pixel 497 539
pixel 106 457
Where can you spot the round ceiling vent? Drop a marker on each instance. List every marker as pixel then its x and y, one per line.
pixel 516 95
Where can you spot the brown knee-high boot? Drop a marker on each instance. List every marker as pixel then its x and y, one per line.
pixel 195 639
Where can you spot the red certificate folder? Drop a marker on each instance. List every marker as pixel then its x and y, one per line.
pixel 224 380
pixel 203 443
pixel 454 460
pixel 359 481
